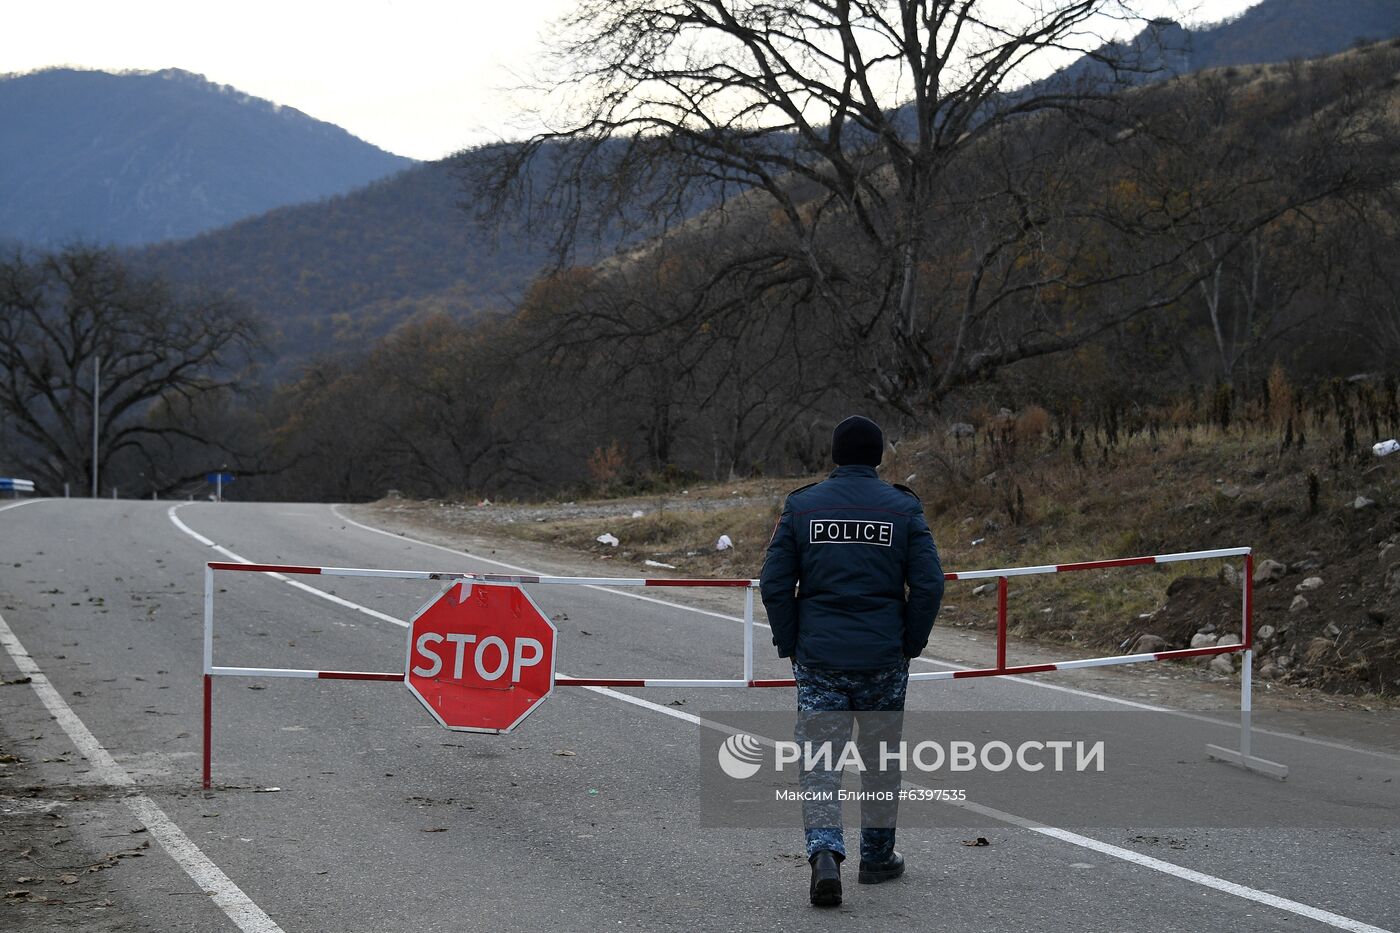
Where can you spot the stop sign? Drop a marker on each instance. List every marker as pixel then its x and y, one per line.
pixel 480 656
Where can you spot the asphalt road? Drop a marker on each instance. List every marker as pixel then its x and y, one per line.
pixel 382 821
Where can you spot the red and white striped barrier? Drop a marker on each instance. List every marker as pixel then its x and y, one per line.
pixel 1002 575
pixel 484 577
pixel 277 570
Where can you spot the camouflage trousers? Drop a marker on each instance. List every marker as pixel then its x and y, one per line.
pixel 830 704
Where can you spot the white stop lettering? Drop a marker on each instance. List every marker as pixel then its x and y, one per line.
pixel 504 657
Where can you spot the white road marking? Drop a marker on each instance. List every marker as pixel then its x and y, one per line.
pixel 1086 842
pixel 15 505
pixel 283 577
pixel 248 916
pixel 647 704
pixel 335 510
pixel 1030 682
pixel 1210 881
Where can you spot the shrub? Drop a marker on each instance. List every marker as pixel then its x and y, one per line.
pixel 604 465
pixel 1032 423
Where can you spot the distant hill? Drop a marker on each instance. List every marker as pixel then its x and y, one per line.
pixel 347 269
pixel 1277 30
pixel 1271 31
pixel 142 157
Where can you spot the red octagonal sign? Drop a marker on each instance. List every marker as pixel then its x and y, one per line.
pixel 480 657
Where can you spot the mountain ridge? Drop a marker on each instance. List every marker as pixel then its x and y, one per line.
pixel 133 158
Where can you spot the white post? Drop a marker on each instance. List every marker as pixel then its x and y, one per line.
pixel 1244 757
pixel 1246 676
pixel 96 401
pixel 748 634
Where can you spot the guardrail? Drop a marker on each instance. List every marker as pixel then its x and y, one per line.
pixel 16 486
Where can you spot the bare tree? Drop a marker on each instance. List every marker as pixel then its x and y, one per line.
pixel 838 122
pixel 1371 294
pixel 58 314
pixel 1272 163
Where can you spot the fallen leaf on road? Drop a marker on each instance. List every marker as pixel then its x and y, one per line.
pixel 267 790
pixel 67 879
pixel 17 680
pixel 979 841
pixel 564 753
pixel 436 829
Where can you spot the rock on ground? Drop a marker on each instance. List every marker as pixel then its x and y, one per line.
pixel 1148 643
pixel 1222 664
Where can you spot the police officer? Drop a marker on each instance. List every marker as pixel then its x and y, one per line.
pixel 852 584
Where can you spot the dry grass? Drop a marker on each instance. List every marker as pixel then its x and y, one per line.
pixel 1020 495
pixel 681 537
pixel 1065 513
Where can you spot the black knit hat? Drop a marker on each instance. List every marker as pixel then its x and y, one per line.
pixel 857 440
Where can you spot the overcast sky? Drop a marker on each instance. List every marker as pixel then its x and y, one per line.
pixel 421 78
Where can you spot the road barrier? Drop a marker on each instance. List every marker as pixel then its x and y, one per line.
pixel 1241 756
pixel 16 486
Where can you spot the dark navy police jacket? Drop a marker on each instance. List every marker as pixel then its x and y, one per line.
pixel 852 579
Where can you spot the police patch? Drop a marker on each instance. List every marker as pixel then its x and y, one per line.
pixel 851 531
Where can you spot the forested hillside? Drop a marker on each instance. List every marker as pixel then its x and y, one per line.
pixel 344 271
pixel 337 273
pixel 1271 31
pixel 142 157
pixel 1277 30
pixel 1232 222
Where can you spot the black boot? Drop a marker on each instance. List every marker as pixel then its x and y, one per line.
pixel 826 879
pixel 875 872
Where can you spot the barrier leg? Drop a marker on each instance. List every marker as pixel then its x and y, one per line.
pixel 208 678
pixel 748 635
pixel 1001 623
pixel 208 731
pixel 1243 757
